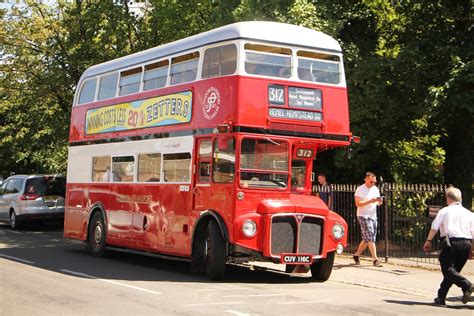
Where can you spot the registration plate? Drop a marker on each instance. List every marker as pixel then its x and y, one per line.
pixel 292 258
pixel 50 200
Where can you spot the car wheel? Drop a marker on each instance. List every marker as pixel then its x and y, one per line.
pixel 14 221
pixel 215 254
pixel 97 235
pixel 321 269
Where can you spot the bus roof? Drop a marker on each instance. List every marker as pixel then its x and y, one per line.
pixel 274 32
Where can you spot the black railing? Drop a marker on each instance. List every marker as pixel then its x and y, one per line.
pixel 404 219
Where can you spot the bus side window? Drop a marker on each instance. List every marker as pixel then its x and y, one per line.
pixel 184 68
pixel 123 169
pixel 155 75
pixel 101 169
pixel 223 163
pixel 130 81
pixel 149 167
pixel 219 61
pixel 108 86
pixel 88 91
pixel 177 167
pixel 204 160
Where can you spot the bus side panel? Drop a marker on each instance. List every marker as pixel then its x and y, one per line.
pixel 173 219
pixel 75 213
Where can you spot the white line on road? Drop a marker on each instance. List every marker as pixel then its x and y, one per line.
pixel 254 295
pixel 17 259
pixel 236 313
pixel 222 288
pixel 303 302
pixel 217 303
pixel 109 281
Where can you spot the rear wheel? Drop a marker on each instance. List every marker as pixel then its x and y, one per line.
pixel 321 269
pixel 97 235
pixel 14 221
pixel 215 254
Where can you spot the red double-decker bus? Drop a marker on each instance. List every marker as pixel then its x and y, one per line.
pixel 202 149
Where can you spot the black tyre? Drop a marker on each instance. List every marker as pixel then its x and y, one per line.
pixel 97 235
pixel 215 254
pixel 14 224
pixel 321 269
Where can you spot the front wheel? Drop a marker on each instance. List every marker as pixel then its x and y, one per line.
pixel 97 235
pixel 321 269
pixel 215 254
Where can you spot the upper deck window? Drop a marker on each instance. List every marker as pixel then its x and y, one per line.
pixel 184 68
pixel 219 61
pixel 155 75
pixel 108 86
pixel 318 67
pixel 88 91
pixel 130 81
pixel 266 60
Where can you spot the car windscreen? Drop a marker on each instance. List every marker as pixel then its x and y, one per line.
pixel 46 186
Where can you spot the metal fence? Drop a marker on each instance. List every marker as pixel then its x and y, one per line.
pixel 404 219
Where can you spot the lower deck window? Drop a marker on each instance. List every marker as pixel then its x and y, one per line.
pixel 101 169
pixel 177 167
pixel 149 167
pixel 123 169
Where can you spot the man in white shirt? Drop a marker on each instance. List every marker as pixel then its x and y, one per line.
pixel 456 227
pixel 367 198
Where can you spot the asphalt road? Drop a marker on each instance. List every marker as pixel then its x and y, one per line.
pixel 41 273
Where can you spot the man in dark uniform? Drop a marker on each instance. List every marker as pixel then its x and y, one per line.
pixel 456 226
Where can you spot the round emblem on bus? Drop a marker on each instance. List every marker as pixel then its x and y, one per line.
pixel 211 104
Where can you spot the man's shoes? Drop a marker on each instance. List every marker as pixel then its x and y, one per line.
pixel 377 263
pixel 466 296
pixel 356 260
pixel 439 301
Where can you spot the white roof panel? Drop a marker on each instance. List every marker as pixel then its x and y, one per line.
pixel 255 30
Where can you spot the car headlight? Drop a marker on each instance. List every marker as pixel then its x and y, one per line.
pixel 249 228
pixel 338 231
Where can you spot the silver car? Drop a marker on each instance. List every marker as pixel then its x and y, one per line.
pixel 32 197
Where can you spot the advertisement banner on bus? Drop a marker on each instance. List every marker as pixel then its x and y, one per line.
pixel 168 109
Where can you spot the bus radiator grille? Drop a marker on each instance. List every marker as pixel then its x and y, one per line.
pixel 289 236
pixel 283 237
pixel 309 240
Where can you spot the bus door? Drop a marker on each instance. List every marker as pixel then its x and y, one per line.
pixel 215 175
pixel 202 183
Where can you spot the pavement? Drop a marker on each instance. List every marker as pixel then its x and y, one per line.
pixel 416 279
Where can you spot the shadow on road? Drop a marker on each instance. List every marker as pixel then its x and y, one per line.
pixel 47 249
pixel 413 303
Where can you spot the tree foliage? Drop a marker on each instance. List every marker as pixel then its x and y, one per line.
pixel 409 68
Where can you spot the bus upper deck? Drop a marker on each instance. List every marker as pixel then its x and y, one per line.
pixel 215 79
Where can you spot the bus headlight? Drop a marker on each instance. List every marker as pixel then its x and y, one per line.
pixel 249 228
pixel 338 231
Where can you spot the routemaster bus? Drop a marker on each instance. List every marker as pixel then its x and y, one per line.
pixel 202 150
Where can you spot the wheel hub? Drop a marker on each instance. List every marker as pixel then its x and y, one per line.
pixel 98 234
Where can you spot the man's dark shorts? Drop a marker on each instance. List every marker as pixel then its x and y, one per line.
pixel 368 228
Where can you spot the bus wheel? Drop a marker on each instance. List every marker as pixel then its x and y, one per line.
pixel 321 269
pixel 215 256
pixel 97 235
